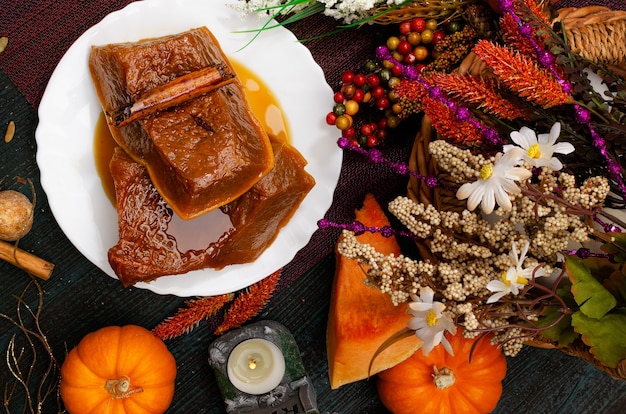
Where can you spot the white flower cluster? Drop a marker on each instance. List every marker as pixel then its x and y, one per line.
pixel 479 265
pixel 350 11
pixel 347 11
pixel 266 8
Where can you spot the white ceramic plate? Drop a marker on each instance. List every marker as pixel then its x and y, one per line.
pixel 69 111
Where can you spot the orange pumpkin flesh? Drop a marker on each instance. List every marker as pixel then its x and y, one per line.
pixel 409 387
pixel 361 318
pixel 117 370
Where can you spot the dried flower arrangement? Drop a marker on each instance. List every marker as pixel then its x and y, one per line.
pixel 534 255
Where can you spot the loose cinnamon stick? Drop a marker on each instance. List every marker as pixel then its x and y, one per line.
pixel 26 261
pixel 173 93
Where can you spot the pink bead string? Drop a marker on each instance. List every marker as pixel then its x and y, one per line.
pixel 583 116
pixel 585 253
pixel 376 157
pixel 359 228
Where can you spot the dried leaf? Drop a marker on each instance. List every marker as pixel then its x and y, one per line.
pixel 249 304
pixel 10 132
pixel 4 41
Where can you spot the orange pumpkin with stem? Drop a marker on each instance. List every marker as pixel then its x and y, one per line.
pixel 468 382
pixel 119 370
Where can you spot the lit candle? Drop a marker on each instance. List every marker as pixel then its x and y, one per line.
pixel 256 366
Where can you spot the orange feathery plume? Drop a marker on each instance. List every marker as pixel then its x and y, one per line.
pixel 477 91
pixel 188 318
pixel 249 304
pixel 513 38
pixel 449 126
pixel 522 75
pixel 538 9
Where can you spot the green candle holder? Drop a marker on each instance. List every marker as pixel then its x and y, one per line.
pixel 295 392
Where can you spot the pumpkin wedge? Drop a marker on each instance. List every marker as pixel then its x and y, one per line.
pixel 361 318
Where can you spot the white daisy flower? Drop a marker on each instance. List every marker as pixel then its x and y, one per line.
pixel 496 182
pixel 540 149
pixel 515 278
pixel 429 321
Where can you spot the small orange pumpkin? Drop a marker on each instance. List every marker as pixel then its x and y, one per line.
pixel 119 370
pixel 445 384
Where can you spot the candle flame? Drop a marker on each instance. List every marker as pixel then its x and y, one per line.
pixel 251 363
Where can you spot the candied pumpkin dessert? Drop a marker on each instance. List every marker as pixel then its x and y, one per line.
pixel 146 250
pixel 176 107
pixel 266 208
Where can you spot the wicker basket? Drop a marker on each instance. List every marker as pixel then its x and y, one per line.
pixel 596 33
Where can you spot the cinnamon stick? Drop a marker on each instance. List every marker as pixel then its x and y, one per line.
pixel 173 93
pixel 25 261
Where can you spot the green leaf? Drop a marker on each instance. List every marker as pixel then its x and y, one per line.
pixel 593 298
pixel 558 330
pixel 617 246
pixel 605 336
pixel 616 284
pixel 561 331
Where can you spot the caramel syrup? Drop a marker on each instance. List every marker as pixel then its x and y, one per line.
pixel 263 103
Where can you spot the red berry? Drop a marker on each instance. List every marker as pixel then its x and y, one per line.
pixel 405 27
pixel 396 70
pixel 358 95
pixel 382 123
pixel 382 103
pixel 373 80
pixel 366 129
pixel 381 134
pixel 410 58
pixel 359 79
pixel 331 118
pixel 418 24
pixel 437 36
pixel 338 97
pixel 404 47
pixel 354 142
pixel 347 76
pixel 419 68
pixel 378 92
pixel 372 141
pixel 349 133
